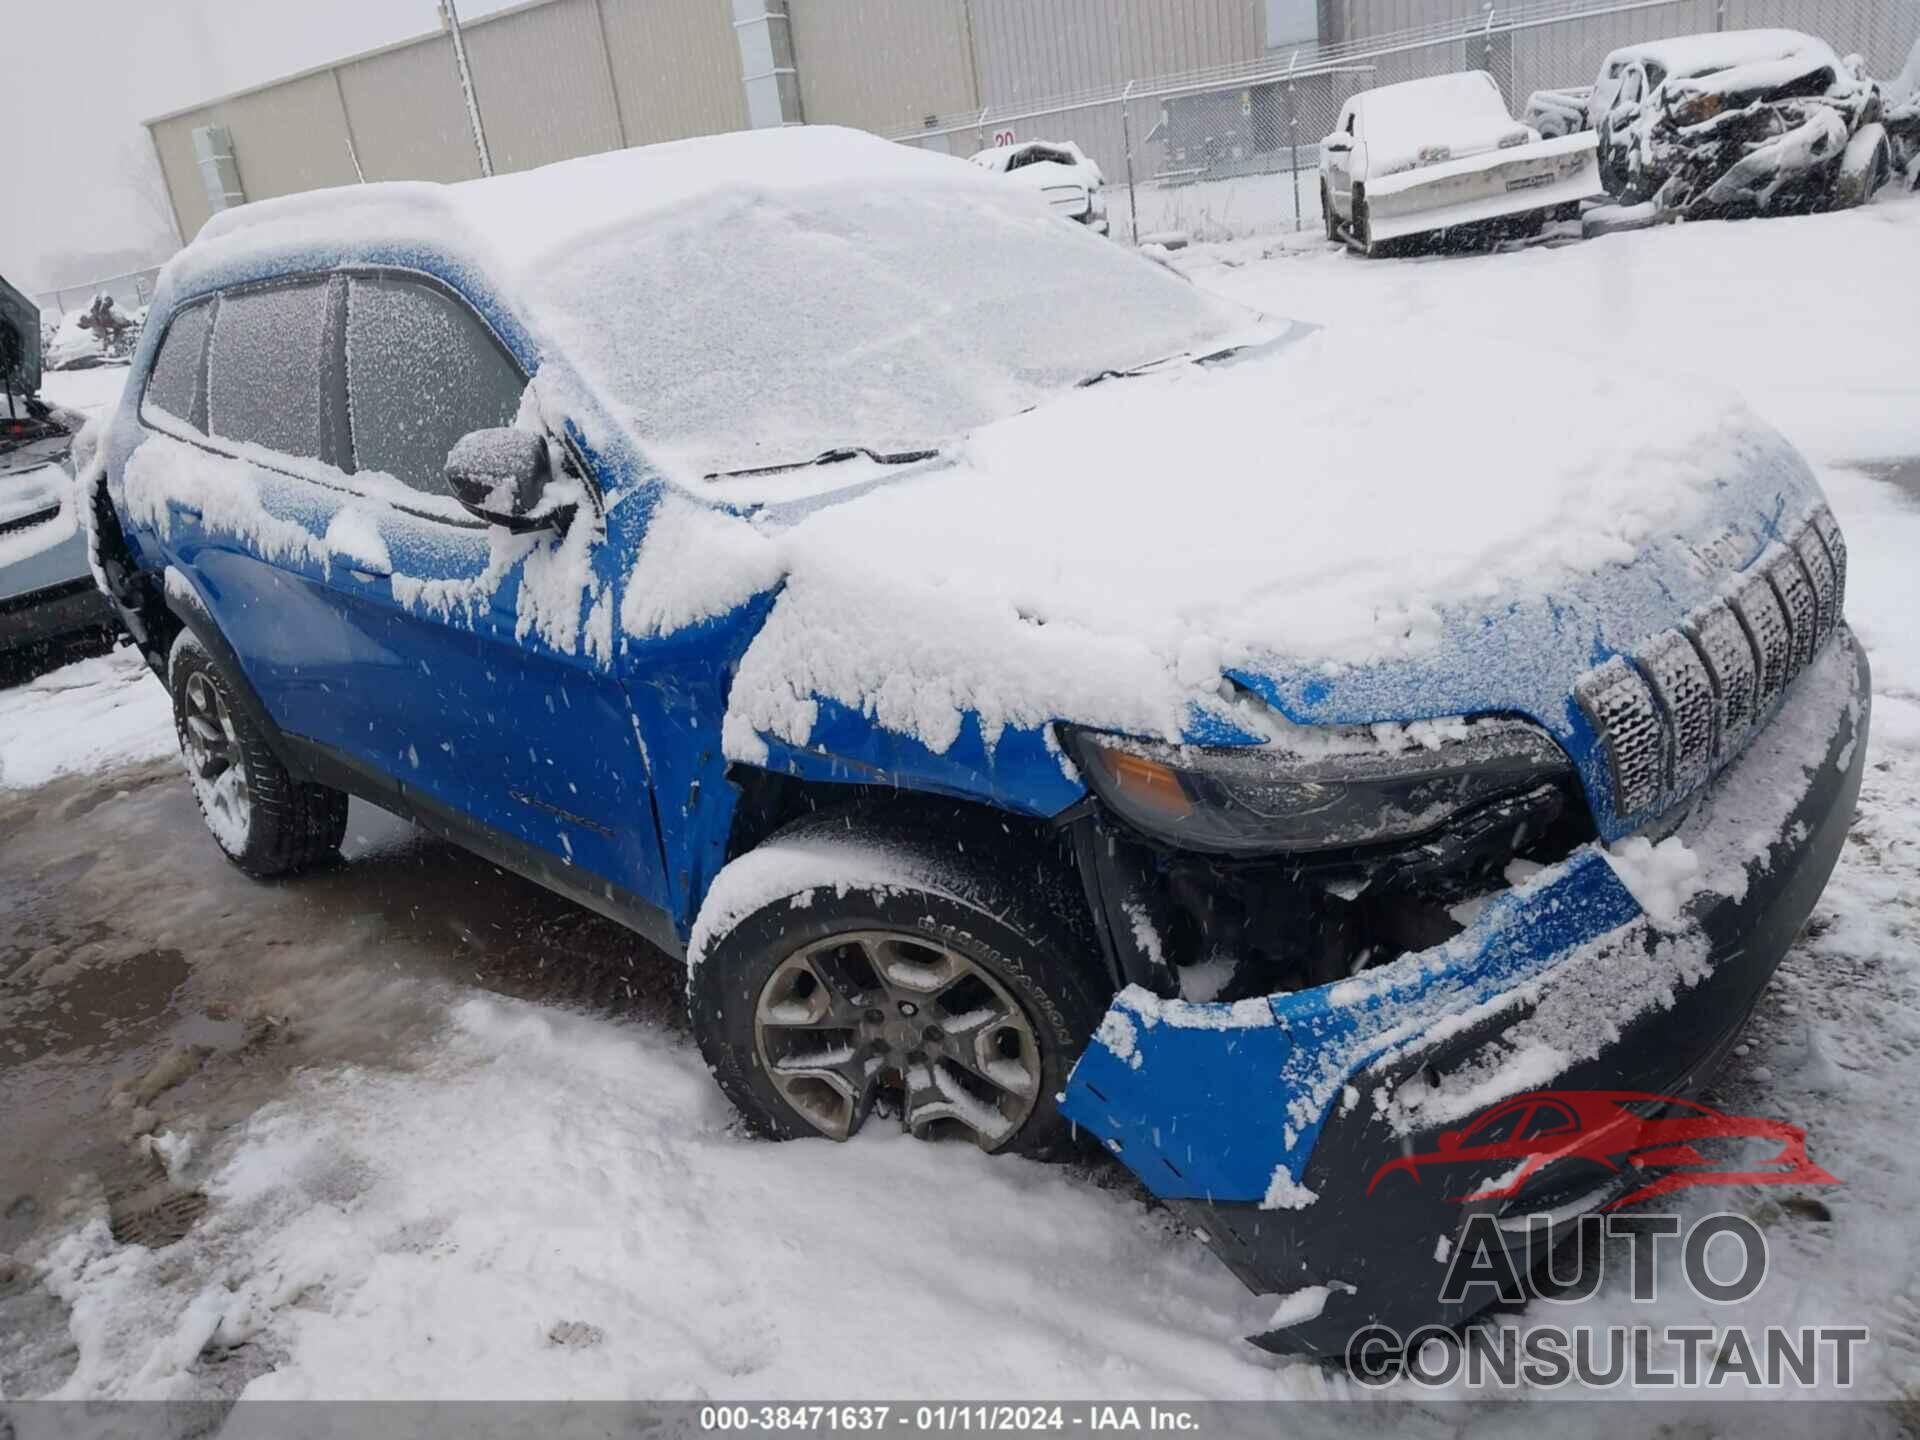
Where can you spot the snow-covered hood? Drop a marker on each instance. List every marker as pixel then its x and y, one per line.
pixel 1460 137
pixel 1354 528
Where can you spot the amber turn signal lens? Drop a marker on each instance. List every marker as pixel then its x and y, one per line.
pixel 1147 783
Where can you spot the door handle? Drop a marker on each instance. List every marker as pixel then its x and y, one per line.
pixel 368 573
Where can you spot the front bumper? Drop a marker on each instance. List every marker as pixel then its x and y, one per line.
pixel 1265 1121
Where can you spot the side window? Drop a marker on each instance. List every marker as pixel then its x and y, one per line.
pixel 178 385
pixel 421 372
pixel 264 367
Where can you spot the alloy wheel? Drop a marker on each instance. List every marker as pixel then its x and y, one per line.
pixel 888 1022
pixel 215 760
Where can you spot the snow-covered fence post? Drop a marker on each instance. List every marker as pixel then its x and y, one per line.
pixel 1293 136
pixel 1126 136
pixel 450 18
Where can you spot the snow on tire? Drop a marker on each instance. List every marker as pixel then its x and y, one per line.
pixel 852 972
pixel 264 821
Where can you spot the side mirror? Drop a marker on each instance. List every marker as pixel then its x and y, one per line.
pixel 1449 1140
pixel 501 476
pixel 1337 144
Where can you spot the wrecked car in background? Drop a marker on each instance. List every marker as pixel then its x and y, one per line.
pixel 1443 154
pixel 1900 113
pixel 1018 726
pixel 1060 170
pixel 46 589
pixel 1738 122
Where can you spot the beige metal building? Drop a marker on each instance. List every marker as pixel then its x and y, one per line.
pixel 556 78
pixel 1165 90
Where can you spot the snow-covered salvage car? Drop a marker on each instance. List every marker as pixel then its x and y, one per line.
pixel 1060 170
pixel 1443 154
pixel 47 592
pixel 1016 725
pixel 1738 122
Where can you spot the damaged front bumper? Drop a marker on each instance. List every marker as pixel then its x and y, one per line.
pixel 1264 1122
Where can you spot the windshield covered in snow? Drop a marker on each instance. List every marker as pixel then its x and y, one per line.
pixel 1421 112
pixel 755 329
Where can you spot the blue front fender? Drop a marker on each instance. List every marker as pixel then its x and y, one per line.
pixel 1225 1102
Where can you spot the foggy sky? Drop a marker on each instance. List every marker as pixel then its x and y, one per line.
pixel 80 76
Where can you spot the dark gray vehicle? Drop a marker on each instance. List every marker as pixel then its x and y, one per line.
pixel 46 586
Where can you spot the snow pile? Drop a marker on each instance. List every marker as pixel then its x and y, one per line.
pixel 427 1233
pixel 1828 358
pixel 1662 877
pixel 91 716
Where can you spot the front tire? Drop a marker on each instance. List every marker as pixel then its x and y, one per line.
pixel 264 821
pixel 849 972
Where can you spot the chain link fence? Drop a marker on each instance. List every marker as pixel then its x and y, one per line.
pixel 1214 155
pixel 129 291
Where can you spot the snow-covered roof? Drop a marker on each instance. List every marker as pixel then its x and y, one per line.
pixel 519 220
pixel 1463 112
pixel 1693 54
pixel 998 157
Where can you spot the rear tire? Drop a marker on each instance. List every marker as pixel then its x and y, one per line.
pixel 264 821
pixel 855 970
pixel 1361 228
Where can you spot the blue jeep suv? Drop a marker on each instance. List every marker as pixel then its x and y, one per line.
pixel 1030 692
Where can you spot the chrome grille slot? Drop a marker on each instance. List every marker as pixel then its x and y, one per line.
pixel 1826 591
pixel 1623 711
pixel 1723 644
pixel 1689 698
pixel 1685 691
pixel 1766 622
pixel 1790 583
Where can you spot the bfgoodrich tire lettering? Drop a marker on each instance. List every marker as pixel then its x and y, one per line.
pixel 945 1009
pixel 264 821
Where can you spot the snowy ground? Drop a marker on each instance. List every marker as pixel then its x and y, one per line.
pixel 448 1191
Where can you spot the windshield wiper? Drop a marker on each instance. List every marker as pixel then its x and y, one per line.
pixel 829 457
pixel 1209 358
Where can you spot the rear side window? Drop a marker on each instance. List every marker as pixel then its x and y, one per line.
pixel 263 371
pixel 421 372
pixel 178 384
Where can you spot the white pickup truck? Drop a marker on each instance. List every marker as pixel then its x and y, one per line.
pixel 1444 154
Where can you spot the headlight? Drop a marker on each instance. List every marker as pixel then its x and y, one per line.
pixel 1342 788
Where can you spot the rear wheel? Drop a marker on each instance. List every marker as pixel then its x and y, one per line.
pixel 1361 229
pixel 263 820
pixel 879 977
